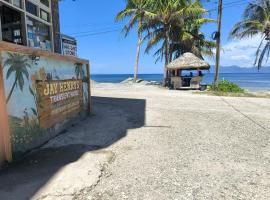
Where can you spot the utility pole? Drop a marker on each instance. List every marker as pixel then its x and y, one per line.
pixel 218 37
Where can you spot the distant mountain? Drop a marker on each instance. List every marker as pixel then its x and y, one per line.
pixel 237 69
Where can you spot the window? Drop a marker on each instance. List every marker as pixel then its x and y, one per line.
pixel 31 8
pixel 45 2
pixel 11 25
pixel 17 3
pixel 38 35
pixel 44 15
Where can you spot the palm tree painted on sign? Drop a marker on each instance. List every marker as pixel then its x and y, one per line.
pixel 79 71
pixel 256 21
pixel 18 65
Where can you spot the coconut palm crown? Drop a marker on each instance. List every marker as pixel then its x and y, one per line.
pixel 135 12
pixel 167 24
pixel 256 21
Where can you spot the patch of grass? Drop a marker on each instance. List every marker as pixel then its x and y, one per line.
pixel 226 86
pixel 229 89
pixel 234 94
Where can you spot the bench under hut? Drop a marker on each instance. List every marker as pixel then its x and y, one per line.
pixel 187 62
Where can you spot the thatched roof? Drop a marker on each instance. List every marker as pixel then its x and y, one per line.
pixel 188 61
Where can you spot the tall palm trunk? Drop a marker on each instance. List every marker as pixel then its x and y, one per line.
pixel 167 54
pixel 171 54
pixel 216 79
pixel 12 89
pixel 136 67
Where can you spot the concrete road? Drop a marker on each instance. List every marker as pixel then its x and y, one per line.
pixel 143 142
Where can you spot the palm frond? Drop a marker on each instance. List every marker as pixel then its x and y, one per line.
pixel 262 55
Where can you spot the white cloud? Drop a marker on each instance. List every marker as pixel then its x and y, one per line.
pixel 240 52
pixel 240 58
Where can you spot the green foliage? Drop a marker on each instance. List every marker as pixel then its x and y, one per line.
pixel 227 86
pixel 173 25
pixel 236 94
pixel 256 21
pixel 176 24
pixel 135 11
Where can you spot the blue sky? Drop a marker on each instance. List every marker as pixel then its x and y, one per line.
pixel 111 53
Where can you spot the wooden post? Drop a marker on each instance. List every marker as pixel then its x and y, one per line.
pixel 216 79
pixel 89 89
pixel 5 137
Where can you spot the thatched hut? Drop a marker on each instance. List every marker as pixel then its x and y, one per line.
pixel 187 61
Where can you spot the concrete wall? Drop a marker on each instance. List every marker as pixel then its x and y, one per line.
pixel 23 104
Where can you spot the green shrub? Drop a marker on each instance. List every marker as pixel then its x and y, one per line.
pixel 227 86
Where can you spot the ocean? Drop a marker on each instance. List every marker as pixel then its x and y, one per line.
pixel 250 81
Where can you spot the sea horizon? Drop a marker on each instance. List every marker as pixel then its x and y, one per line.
pixel 250 81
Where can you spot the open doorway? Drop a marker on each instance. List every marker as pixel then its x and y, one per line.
pixel 11 25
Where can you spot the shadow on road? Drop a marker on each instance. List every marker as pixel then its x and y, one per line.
pixel 111 119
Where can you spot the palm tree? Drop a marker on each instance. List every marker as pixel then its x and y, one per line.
pixel 256 21
pixel 197 45
pixel 18 65
pixel 188 39
pixel 191 39
pixel 166 20
pixel 135 11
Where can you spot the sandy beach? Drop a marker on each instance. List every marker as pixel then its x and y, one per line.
pixel 146 142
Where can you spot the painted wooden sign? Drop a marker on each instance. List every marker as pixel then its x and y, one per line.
pixel 58 101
